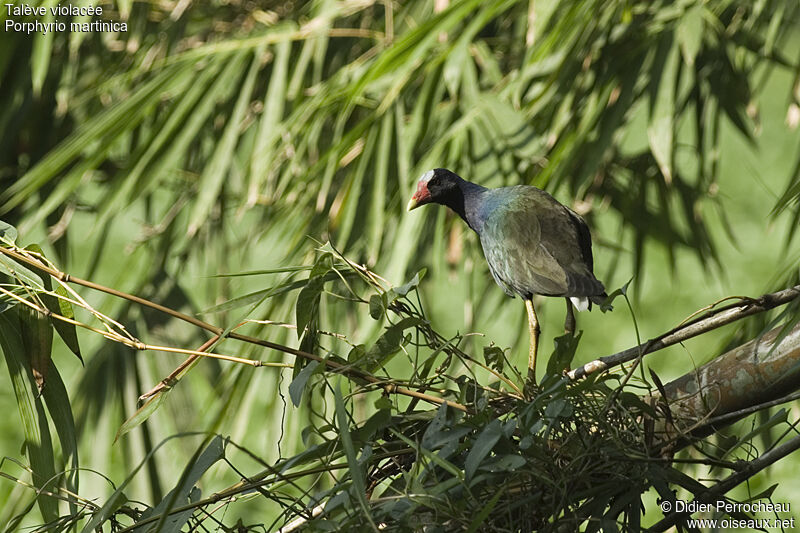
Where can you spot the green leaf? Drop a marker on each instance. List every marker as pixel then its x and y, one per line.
pixel 376 308
pixel 118 498
pixel 20 272
pixel 42 49
pixel 453 470
pixel 298 384
pixel 506 463
pixel 184 491
pixel 389 343
pixel 171 136
pixel 38 444
pixel 485 511
pixel 565 347
pixel 780 417
pixel 482 446
pixel 217 169
pixel 37 340
pixel 8 233
pixel 60 306
pixel 104 128
pixel 494 357
pixel 308 303
pixel 660 126
pixel 413 283
pixel 378 203
pixel 307 307
pixel 383 404
pixel 264 294
pixel 58 405
pixel 356 473
pixel 689 33
pixel 143 413
pixel 269 129
pixel 67 332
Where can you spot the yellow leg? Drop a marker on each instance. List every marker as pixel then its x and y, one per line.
pixel 533 326
pixel 569 321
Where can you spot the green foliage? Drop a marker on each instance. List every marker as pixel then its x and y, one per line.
pixel 306 114
pixel 570 455
pixel 188 161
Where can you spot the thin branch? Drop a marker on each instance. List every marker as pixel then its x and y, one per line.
pixel 750 469
pixel 727 418
pixel 349 372
pixel 167 381
pixel 270 476
pixel 712 320
pixel 753 376
pixel 135 343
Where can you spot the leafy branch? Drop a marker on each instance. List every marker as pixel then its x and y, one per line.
pixel 513 459
pixel 32 260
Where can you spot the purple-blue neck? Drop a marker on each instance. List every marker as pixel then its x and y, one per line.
pixel 468 203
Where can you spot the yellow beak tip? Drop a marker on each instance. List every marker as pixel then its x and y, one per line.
pixel 412 204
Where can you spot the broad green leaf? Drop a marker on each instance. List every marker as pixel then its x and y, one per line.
pixel 298 384
pixel 413 283
pixel 308 303
pixel 8 233
pixel 453 470
pixel 66 331
pixel 37 341
pixel 356 473
pixel 689 33
pixel 660 126
pixel 38 444
pixel 506 463
pixel 184 491
pixel 389 343
pixel 42 50
pixel 376 308
pixel 565 347
pixel 21 272
pixel 494 357
pixel 60 305
pixel 482 446
pixel 58 405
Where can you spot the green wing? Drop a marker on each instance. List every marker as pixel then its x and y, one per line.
pixel 534 245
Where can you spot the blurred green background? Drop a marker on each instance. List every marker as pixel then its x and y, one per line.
pixel 227 137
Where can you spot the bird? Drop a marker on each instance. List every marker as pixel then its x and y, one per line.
pixel 533 244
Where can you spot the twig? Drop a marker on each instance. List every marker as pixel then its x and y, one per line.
pixel 265 478
pixel 727 418
pixel 691 329
pixel 747 471
pixel 349 372
pixel 135 343
pixel 167 381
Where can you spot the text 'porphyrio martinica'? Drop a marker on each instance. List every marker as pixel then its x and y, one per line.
pixel 533 244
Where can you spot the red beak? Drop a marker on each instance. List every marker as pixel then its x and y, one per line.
pixel 421 197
